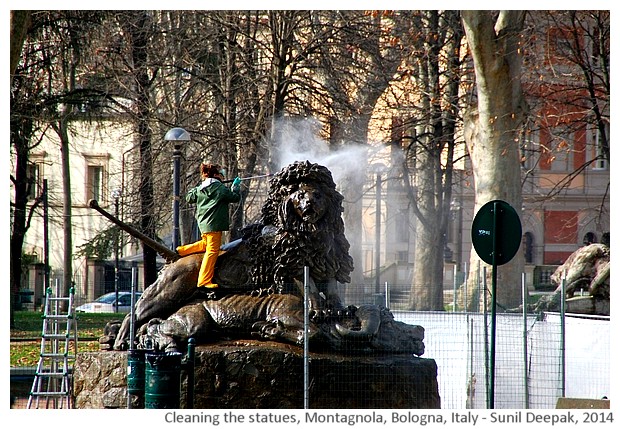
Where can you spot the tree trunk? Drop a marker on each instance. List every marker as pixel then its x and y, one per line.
pixel 20 21
pixel 20 141
pixel 139 40
pixel 20 135
pixel 433 153
pixel 425 293
pixel 432 192
pixel 493 125
pixel 66 207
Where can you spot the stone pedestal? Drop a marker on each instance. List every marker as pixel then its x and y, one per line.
pixel 267 375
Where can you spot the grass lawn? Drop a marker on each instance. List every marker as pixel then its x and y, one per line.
pixel 26 335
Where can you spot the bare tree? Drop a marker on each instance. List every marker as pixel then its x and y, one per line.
pixel 124 67
pixel 24 108
pixel 430 148
pixel 138 26
pixel 70 56
pixel 567 83
pixel 43 94
pixel 236 74
pixel 493 123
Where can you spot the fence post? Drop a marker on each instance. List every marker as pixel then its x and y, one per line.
pixel 132 318
pixel 525 377
pixel 306 329
pixel 563 334
pixel 471 394
pixel 387 295
pixel 477 288
pixel 465 306
pixel 454 291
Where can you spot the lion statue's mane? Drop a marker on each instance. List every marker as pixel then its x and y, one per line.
pixel 301 226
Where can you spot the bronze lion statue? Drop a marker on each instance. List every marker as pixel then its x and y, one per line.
pixel 301 225
pixel 261 278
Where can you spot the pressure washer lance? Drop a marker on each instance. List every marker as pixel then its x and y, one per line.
pixel 248 178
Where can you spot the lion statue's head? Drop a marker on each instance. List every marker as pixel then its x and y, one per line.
pixel 302 226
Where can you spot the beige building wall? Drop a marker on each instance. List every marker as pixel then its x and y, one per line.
pixel 99 154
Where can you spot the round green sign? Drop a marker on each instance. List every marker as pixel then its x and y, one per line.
pixel 496 226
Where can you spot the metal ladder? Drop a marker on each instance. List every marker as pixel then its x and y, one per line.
pixel 53 376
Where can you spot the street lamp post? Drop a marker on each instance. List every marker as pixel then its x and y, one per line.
pixel 176 135
pixel 378 168
pixel 116 194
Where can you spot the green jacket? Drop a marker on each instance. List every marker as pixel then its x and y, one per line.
pixel 212 204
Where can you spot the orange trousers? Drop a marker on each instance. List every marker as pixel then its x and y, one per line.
pixel 210 244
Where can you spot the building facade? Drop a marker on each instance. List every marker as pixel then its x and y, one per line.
pixel 101 156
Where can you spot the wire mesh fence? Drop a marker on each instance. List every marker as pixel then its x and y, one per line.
pixel 538 357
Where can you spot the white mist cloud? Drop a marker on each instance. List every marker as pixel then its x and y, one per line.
pixel 297 139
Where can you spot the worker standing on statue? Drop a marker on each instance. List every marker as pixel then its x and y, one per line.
pixel 211 198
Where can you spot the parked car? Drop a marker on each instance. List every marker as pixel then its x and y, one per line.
pixel 105 303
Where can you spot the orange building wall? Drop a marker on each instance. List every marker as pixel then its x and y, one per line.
pixel 560 228
pixel 556 258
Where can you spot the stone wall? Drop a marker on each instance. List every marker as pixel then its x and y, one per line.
pixel 268 375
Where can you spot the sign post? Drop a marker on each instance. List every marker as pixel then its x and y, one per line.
pixel 496 236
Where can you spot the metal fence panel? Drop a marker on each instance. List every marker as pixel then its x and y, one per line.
pixel 456 341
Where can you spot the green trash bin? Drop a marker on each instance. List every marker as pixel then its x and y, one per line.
pixel 136 371
pixel 162 384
